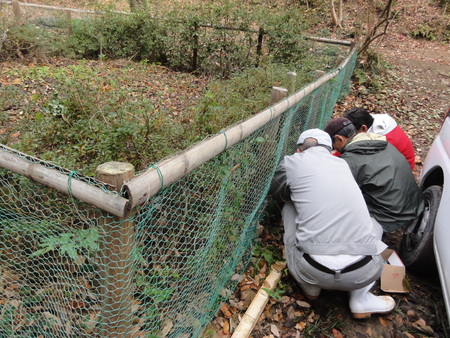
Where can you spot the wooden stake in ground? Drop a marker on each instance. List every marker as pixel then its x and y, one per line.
pixel 291 78
pixel 116 253
pixel 258 304
pixel 278 94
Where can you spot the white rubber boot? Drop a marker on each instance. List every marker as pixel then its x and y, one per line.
pixel 363 303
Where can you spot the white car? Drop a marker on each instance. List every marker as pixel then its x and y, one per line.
pixel 427 239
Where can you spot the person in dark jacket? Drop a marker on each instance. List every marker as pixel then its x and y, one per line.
pixel 382 173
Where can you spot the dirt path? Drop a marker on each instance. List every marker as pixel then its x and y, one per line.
pixel 423 69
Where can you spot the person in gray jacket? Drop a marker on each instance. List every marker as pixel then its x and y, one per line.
pixel 383 174
pixel 330 240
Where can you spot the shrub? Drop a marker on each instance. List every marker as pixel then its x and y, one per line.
pixel 26 40
pixel 87 118
pixel 284 39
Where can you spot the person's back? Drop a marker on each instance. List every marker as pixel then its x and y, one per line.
pixel 382 173
pixel 384 176
pixel 385 125
pixel 321 187
pixel 330 240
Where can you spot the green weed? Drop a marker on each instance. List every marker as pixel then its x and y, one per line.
pixel 70 244
pixel 323 325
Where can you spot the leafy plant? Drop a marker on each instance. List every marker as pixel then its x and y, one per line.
pixel 323 325
pixel 370 70
pixel 285 43
pixel 71 244
pixel 277 293
pixel 269 254
pixel 424 31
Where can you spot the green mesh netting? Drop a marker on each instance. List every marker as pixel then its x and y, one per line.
pixel 71 270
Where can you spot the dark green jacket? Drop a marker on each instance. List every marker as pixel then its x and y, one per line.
pixel 384 177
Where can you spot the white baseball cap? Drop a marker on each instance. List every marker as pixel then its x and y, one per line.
pixel 322 137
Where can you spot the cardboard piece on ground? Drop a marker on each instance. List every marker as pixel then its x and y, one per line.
pixel 393 277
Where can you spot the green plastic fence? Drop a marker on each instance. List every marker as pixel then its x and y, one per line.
pixel 71 270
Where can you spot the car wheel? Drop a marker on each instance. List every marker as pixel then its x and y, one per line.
pixel 416 248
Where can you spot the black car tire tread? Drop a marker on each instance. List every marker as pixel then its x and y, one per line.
pixel 417 253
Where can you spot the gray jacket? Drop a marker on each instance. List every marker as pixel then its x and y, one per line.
pixel 332 215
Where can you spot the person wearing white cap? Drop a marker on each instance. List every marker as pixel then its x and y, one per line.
pixel 330 240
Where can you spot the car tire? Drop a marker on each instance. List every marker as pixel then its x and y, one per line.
pixel 416 247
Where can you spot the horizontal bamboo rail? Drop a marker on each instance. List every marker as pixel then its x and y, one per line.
pixel 141 187
pixel 62 182
pixel 27 4
pixel 332 41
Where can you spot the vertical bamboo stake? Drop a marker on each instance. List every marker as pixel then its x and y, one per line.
pixel 116 245
pixel 278 93
pixel 195 46
pixel 16 10
pixel 339 59
pixel 68 13
pixel 291 80
pixel 260 41
pixel 101 56
pixel 259 45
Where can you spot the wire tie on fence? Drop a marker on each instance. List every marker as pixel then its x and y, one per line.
pixel 161 178
pixel 69 182
pixel 271 114
pixel 226 139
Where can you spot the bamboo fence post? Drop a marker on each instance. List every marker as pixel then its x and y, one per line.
pixel 259 45
pixel 260 41
pixel 195 46
pixel 291 78
pixel 251 316
pixel 278 94
pixel 339 60
pixel 16 10
pixel 68 14
pixel 116 253
pixel 319 73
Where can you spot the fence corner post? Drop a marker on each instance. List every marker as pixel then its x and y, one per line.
pixel 116 243
pixel 278 93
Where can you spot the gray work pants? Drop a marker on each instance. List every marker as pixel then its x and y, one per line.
pixel 304 273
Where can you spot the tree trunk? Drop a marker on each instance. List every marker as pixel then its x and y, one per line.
pixel 384 21
pixel 339 13
pixel 334 17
